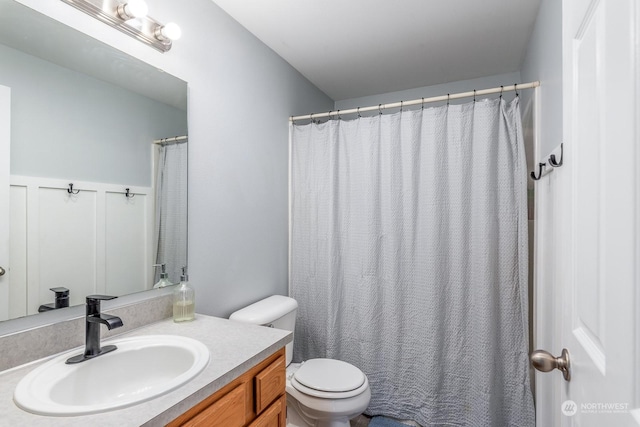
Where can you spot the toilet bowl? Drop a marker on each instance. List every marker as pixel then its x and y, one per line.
pixel 325 393
pixel 320 392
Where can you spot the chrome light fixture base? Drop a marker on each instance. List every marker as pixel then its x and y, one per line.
pixel 111 11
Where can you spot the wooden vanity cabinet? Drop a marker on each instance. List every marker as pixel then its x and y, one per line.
pixel 256 399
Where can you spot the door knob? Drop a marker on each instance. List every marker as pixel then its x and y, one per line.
pixel 544 361
pixel 2 271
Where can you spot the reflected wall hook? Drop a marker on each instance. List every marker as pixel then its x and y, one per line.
pixel 128 194
pixel 541 167
pixel 552 158
pixel 70 189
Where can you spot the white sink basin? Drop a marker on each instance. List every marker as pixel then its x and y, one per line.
pixel 140 369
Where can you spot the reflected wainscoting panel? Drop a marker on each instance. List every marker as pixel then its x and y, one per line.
pixel 95 241
pixel 128 243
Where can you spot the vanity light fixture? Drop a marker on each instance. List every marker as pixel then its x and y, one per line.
pixel 171 31
pixel 132 9
pixel 130 17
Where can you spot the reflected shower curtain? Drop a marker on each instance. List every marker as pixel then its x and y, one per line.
pixel 171 210
pixel 409 259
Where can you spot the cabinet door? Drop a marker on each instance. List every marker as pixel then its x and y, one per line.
pixel 270 383
pixel 274 416
pixel 229 411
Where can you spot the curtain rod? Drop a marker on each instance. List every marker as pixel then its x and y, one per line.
pixel 176 139
pixel 381 107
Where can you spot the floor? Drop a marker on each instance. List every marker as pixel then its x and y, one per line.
pixel 360 421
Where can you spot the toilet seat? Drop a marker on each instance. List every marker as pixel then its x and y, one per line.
pixel 329 379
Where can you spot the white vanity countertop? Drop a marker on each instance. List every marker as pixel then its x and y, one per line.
pixel 234 348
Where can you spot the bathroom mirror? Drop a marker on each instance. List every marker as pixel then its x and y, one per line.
pixel 83 174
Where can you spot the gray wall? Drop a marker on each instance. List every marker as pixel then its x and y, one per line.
pixel 543 62
pixel 68 125
pixel 241 98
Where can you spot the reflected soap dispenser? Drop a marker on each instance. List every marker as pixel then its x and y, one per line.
pixel 184 302
pixel 164 276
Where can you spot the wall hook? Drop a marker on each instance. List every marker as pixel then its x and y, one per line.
pixel 552 158
pixel 128 194
pixel 70 190
pixel 541 167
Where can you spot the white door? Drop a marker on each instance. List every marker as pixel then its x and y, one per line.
pixel 589 217
pixel 5 139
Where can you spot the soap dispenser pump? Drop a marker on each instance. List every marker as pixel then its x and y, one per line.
pixel 184 302
pixel 164 276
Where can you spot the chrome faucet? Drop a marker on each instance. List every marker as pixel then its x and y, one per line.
pixel 92 335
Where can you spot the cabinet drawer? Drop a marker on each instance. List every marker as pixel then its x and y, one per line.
pixel 269 384
pixel 228 411
pixel 274 416
pixel 244 400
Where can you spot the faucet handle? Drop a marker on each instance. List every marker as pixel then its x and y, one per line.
pixel 93 303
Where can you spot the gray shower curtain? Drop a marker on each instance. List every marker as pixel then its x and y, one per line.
pixel 170 238
pixel 409 259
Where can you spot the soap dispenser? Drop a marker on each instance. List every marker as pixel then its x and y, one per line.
pixel 164 276
pixel 184 302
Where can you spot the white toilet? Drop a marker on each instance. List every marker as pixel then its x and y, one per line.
pixel 320 392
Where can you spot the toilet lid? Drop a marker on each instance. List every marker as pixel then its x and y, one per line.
pixel 329 375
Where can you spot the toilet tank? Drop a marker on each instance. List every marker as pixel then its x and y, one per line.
pixel 276 311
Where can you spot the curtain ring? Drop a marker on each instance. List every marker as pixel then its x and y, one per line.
pixel 474 95
pixel 380 109
pixel 339 118
pixel 501 89
pixel 401 106
pixel 358 110
pixel 423 103
pixel 515 87
pixel 448 98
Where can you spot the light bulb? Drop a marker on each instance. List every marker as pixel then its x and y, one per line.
pixel 171 31
pixel 133 9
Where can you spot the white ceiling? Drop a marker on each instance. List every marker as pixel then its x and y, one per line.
pixel 353 48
